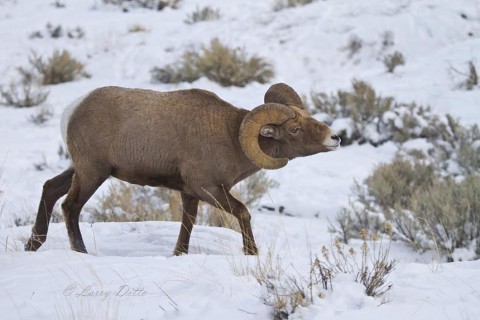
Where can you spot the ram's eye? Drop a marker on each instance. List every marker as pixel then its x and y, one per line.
pixel 294 130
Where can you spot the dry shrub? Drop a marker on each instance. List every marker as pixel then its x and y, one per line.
pixel 128 202
pixel 174 4
pixel 456 149
pixel 63 153
pixel 23 95
pixel 371 270
pixel 394 60
pixel 219 63
pixel 204 14
pixel 54 31
pixel 353 46
pixel 471 77
pixel 58 68
pixel 287 289
pixel 248 191
pixel 58 4
pixel 284 289
pixel 363 116
pixel 427 210
pixel 42 115
pixel 1 194
pixel 387 39
pixel 58 31
pixel 137 28
pixel 284 4
pixel 146 4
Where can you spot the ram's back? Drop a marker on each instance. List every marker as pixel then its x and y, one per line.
pixel 142 131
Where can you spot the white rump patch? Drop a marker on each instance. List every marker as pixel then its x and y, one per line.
pixel 66 114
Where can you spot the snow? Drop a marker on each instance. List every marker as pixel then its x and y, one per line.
pixel 130 272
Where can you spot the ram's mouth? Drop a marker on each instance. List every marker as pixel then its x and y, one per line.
pixel 333 147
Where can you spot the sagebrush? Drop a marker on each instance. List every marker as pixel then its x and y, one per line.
pixel 203 14
pixel 137 28
pixel 362 115
pixel 393 60
pixel 283 4
pixel 23 95
pixel 57 31
pixel 471 77
pixel 147 4
pixel 128 202
pixel 58 68
pixel 42 115
pixel 371 269
pixel 428 210
pixel 218 62
pixel 286 289
pixel 353 46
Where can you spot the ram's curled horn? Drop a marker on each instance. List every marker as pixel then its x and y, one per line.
pixel 284 94
pixel 269 113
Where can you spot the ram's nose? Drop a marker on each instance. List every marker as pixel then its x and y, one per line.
pixel 333 142
pixel 336 138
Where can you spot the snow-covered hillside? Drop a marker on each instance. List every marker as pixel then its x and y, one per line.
pixel 307 47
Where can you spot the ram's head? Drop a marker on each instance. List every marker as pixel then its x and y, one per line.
pixel 292 131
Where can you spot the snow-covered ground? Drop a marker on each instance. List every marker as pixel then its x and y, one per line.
pixel 133 261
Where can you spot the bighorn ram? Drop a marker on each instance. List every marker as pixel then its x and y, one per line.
pixel 188 140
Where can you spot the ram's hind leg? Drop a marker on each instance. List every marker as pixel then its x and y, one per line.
pixel 84 184
pixel 190 207
pixel 53 190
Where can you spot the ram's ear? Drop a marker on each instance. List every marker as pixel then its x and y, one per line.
pixel 266 115
pixel 270 131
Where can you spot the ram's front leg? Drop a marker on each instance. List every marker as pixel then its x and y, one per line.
pixel 249 246
pixel 223 200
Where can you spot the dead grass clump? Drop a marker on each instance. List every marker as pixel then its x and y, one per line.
pixel 204 14
pixel 394 60
pixel 60 67
pixel 427 210
pixel 219 63
pixel 284 4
